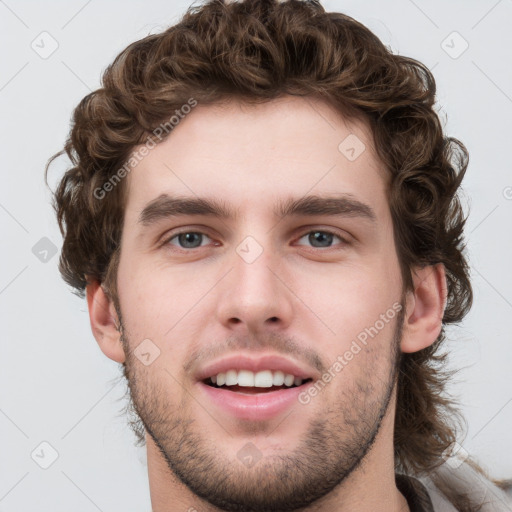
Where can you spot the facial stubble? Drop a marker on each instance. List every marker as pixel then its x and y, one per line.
pixel 334 444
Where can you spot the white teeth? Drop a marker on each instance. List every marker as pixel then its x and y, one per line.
pixel 245 378
pixel 231 377
pixel 261 379
pixel 288 380
pixel 278 379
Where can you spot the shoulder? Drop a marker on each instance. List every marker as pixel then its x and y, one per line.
pixel 468 486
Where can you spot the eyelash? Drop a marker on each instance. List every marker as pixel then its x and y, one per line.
pixel 167 241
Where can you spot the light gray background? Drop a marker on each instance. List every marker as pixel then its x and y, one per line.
pixel 56 385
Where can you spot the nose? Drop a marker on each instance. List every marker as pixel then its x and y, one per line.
pixel 255 295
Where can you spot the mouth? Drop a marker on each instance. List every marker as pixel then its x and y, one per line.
pixel 252 390
pixel 252 403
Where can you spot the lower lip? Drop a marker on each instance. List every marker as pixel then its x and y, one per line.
pixel 253 407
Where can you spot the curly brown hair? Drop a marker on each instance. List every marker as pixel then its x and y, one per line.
pixel 259 50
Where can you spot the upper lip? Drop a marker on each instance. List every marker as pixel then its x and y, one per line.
pixel 255 364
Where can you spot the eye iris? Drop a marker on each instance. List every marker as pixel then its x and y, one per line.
pixel 190 240
pixel 316 238
pixel 324 239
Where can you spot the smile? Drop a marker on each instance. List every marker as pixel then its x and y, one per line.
pixel 252 403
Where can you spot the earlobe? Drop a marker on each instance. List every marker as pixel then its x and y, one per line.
pixel 424 308
pixel 104 321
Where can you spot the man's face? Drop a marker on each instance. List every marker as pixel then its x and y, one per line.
pixel 303 287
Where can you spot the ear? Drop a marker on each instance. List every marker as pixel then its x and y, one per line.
pixel 104 321
pixel 424 308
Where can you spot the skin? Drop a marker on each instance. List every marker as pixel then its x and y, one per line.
pixel 297 298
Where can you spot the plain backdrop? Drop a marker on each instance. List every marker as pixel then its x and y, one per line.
pixel 57 388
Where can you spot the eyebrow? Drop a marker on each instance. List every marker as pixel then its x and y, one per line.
pixel 165 206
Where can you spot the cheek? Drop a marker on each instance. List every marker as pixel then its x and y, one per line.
pixel 158 315
pixel 154 300
pixel 349 301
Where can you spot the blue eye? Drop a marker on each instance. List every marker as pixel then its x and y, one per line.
pixel 321 239
pixel 188 239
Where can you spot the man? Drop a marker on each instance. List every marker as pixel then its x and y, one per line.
pixel 263 214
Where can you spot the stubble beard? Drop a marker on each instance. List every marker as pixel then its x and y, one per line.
pixel 333 446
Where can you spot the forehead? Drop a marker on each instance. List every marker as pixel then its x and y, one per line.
pixel 250 153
